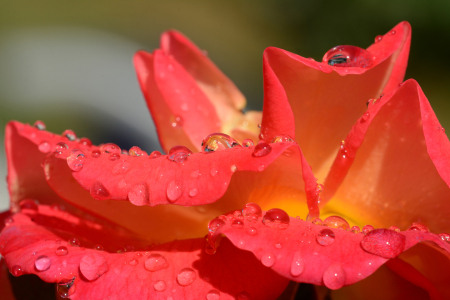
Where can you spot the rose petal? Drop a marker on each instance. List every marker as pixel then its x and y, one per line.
pixel 5 286
pixel 305 252
pixel 398 162
pixel 324 102
pixel 112 275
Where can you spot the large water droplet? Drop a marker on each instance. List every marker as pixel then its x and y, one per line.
pixel 174 190
pixel 160 286
pixel 218 142
pixel 276 218
pixel 39 125
pixel 29 204
pixel 325 237
pixel 110 148
pixel 75 160
pixel 282 139
pixel 186 276
pixel 243 296
pixel 334 277
pixel 213 295
pixel 155 154
pixel 96 153
pixel 61 251
pixel 418 227
pixel 45 147
pixel 252 211
pixel 66 288
pixel 61 149
pixel 348 56
pixel 268 259
pixel 297 265
pixel 93 265
pixel 98 191
pixel 138 194
pixel 215 224
pixel 70 135
pixel 42 263
pixel 16 270
pixel 262 149
pixel 156 262
pixel 384 242
pixel 336 222
pixel 178 154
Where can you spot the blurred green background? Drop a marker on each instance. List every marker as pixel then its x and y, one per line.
pixel 69 63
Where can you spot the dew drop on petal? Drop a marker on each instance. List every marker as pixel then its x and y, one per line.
pixel 334 277
pixel 155 154
pixel 233 168
pixel 42 263
pixel 336 222
pixel 367 228
pixel 160 286
pixel 98 191
pixel 61 251
pixel 262 149
pixel 176 121
pixel 247 143
pixel 378 38
pixel 75 160
pixel 136 151
pixel 98 247
pixel 384 242
pixel 61 148
pixel 355 229
pixel 110 148
pixel 95 153
pixel 268 259
pixel 218 142
pixel 251 231
pixel 215 224
pixel 179 154
pixel 39 125
pixel 85 142
pixel 29 204
pixel 325 237
pixel 418 227
pixel 445 237
pixel 237 223
pixel 297 264
pixel 66 288
pixel 214 172
pixel 282 139
pixel 16 270
pixel 276 218
pixel 174 190
pixel 365 116
pixel 93 265
pixel 133 262
pixel 186 276
pixel 70 135
pixel 252 210
pixel 156 262
pixel 243 296
pixel 138 194
pixel 114 156
pixel 348 56
pixel 193 192
pixel 74 242
pixel 395 228
pixel 45 147
pixel 317 221
pixel 213 295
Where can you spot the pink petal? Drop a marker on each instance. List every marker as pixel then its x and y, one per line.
pixel 100 274
pixel 305 252
pixel 398 162
pixel 326 103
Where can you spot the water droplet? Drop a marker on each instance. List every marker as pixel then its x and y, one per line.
pixel 66 288
pixel 384 242
pixel 214 172
pixel 251 231
pixel 297 265
pixel 282 139
pixel 334 277
pixel 336 222
pixel 75 160
pixel 70 135
pixel 39 125
pixel 114 156
pixel 193 192
pixel 160 286
pixel 395 228
pixel 98 191
pixel 110 148
pixel 29 204
pixel 98 247
pixel 176 121
pixel 378 38
pixel 155 154
pixel 138 194
pixel 218 142
pixel 121 168
pixel 325 237
pixel 42 263
pixel 16 270
pixel 93 265
pixel 392 32
pixel 348 56
pixel 61 148
pixel 261 168
pixel 237 223
pixel 268 259
pixel 213 295
pixel 445 237
pixel 367 228
pixel 233 168
pixel 136 151
pixel 61 251
pixel 243 296
pixel 252 211
pixel 133 262
pixel 365 116
pixel 278 246
pixel 179 154
pixel 174 190
pixel 95 153
pixel 247 143
pixel 276 218
pixel 85 142
pixel 317 221
pixel 418 227
pixel 156 262
pixel 74 242
pixel 215 224
pixel 186 276
pixel 355 229
pixel 262 149
pixel 45 147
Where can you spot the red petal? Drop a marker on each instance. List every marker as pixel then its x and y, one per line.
pixel 302 253
pixel 5 286
pixel 324 102
pixel 398 162
pixel 100 275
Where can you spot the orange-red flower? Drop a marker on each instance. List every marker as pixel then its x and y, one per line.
pixel 110 224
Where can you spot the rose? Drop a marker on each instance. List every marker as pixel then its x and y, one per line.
pixel 285 247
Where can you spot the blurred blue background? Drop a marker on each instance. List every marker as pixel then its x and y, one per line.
pixel 69 63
